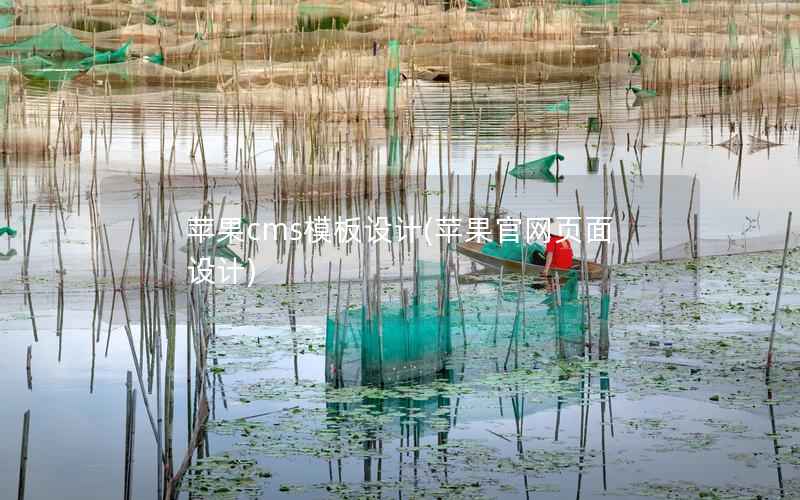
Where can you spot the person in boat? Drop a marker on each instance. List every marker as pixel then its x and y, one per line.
pixel 558 252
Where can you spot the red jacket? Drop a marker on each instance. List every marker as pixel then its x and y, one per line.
pixel 561 250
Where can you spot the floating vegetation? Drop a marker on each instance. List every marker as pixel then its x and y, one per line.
pixel 223 476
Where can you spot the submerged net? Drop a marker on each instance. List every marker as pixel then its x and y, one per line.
pixel 400 343
pixel 413 340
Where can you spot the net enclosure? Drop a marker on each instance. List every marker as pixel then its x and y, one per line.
pixel 406 341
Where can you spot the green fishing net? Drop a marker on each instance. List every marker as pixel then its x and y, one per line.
pixel 313 17
pixel 636 60
pixel 537 169
pixel 399 343
pixel 562 106
pixel 476 5
pixel 155 59
pixel 791 50
pixel 512 250
pixel 392 76
pixel 54 41
pixel 114 56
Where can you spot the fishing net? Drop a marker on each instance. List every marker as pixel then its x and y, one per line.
pixel 476 5
pixel 400 343
pixel 114 56
pixel 54 41
pixel 7 20
pixel 537 169
pixel 343 103
pixel 513 251
pixel 791 51
pixel 26 63
pixel 131 73
pixel 569 317
pixel 392 77
pixel 694 46
pixel 559 107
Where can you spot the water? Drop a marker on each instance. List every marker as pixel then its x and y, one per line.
pixel 668 423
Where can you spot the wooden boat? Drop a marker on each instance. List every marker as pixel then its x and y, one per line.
pixel 473 251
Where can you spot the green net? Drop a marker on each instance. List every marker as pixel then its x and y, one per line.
pixel 6 5
pixel 641 95
pixel 600 16
pixel 55 72
pixel 26 63
pixel 640 92
pixel 154 20
pixel 155 59
pixel 513 251
pixel 313 17
pixel 733 35
pixel 562 106
pixel 537 169
pixel 567 310
pixel 392 77
pixel 636 60
pixel 115 56
pixel 56 40
pixel 791 50
pixel 39 68
pixel 7 20
pixel 392 81
pixel 653 25
pixel 476 5
pixel 402 342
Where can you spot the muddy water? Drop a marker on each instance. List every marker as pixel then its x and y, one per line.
pixel 661 422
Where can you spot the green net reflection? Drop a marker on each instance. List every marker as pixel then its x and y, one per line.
pixel 313 17
pixel 402 342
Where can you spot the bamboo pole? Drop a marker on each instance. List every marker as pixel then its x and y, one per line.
pixel 778 296
pixel 28 367
pixel 661 194
pixel 23 455
pixel 130 426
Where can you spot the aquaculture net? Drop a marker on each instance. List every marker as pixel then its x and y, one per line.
pixel 537 169
pixel 402 342
pixel 564 317
pixel 513 251
pixel 55 40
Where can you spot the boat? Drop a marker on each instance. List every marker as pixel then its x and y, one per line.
pixel 473 251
